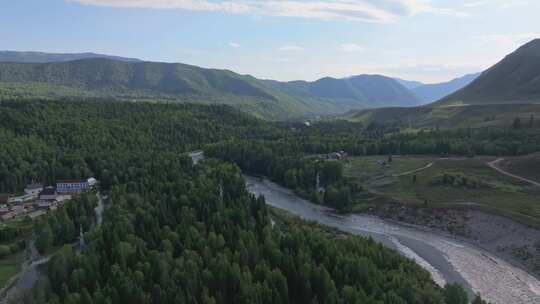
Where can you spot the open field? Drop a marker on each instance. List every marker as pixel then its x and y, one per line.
pixel 9 266
pixel 24 226
pixel 367 169
pixel 484 188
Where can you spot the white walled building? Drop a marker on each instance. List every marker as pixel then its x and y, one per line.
pixel 75 185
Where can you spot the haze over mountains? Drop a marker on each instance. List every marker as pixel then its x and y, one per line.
pixel 515 79
pixel 96 75
pixel 409 84
pixel 427 93
pixel 432 92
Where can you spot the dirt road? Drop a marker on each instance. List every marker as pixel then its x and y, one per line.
pixel 415 170
pixel 495 165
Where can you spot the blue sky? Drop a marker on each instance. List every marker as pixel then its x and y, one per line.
pixel 421 40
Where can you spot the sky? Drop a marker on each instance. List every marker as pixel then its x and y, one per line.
pixel 423 40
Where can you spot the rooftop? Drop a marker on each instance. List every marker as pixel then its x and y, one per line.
pixel 48 191
pixel 71 181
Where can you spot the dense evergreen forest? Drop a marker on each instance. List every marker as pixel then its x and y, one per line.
pixel 373 139
pixel 175 232
pixel 63 226
pixel 284 164
pixel 115 141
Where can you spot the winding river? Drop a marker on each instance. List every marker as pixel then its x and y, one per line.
pixel 446 259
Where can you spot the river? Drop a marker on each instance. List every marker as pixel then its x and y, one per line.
pixel 446 259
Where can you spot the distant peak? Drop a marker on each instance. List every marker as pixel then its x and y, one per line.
pixel 43 57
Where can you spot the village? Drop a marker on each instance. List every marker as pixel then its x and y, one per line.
pixel 38 199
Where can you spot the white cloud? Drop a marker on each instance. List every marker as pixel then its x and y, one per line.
pixel 275 59
pixel 500 4
pixel 351 47
pixel 379 11
pixel 194 5
pixel 234 45
pixel 476 3
pixel 429 72
pixel 291 48
pixel 510 4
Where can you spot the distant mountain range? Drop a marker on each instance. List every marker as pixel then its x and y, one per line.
pixel 362 91
pixel 427 93
pixel 41 57
pixel 508 90
pixel 432 92
pixel 36 74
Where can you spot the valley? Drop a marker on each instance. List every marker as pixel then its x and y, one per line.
pixel 222 187
pixel 486 243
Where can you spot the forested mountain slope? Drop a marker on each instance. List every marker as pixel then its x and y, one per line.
pixel 362 91
pixel 175 82
pixel 152 81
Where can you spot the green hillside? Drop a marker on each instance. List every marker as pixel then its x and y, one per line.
pixel 383 91
pixel 154 81
pixel 448 117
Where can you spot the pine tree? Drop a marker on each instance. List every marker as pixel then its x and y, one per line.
pixel 478 300
pixel 517 123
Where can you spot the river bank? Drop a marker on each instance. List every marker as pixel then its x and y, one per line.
pixel 447 259
pixel 512 241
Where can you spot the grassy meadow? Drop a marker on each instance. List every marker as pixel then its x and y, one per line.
pixel 10 266
pixel 484 188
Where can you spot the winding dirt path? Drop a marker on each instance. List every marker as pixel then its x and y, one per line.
pixel 495 165
pixel 414 171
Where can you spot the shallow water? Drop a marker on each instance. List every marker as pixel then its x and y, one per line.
pixel 446 259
